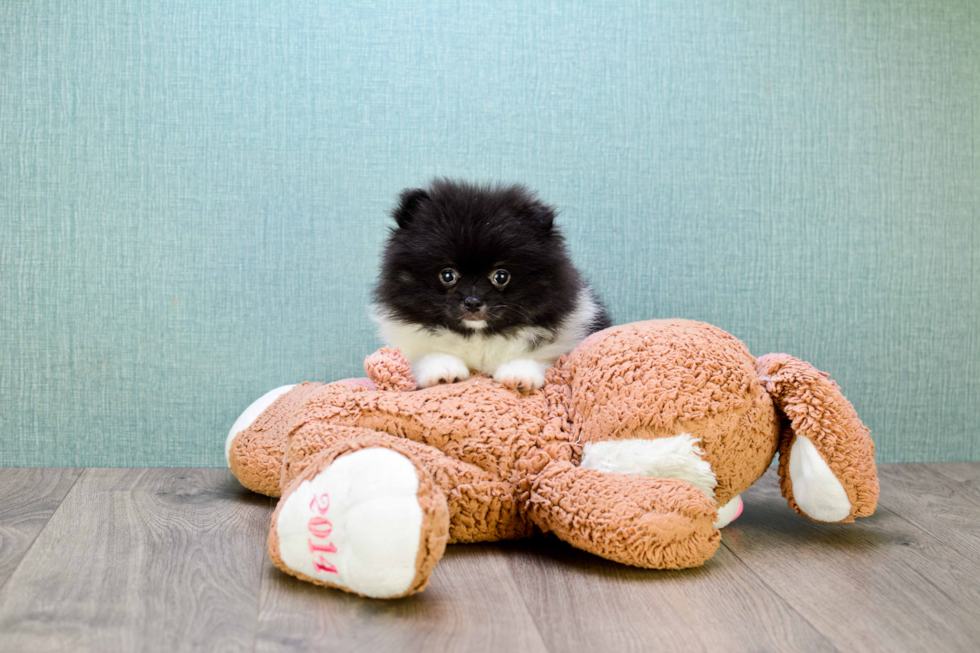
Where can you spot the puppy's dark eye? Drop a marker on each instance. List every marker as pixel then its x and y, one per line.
pixel 500 278
pixel 448 277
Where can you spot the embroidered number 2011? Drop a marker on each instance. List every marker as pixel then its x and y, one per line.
pixel 320 530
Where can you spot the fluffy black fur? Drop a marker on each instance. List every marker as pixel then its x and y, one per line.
pixel 475 230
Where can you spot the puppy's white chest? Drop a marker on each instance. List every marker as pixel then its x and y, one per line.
pixel 486 353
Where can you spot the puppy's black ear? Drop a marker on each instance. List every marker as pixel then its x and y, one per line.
pixel 543 215
pixel 408 204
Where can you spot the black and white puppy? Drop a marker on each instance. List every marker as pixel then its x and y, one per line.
pixel 476 277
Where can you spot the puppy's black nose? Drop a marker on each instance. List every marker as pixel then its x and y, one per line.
pixel 473 303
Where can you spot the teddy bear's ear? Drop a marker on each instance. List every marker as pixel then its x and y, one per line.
pixel 826 456
pixel 389 370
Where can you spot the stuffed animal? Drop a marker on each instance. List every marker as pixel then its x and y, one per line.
pixel 636 449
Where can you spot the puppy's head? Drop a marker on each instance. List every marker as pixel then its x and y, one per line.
pixel 476 259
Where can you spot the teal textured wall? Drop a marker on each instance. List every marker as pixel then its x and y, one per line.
pixel 193 195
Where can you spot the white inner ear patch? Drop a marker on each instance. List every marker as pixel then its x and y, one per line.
pixel 678 456
pixel 816 489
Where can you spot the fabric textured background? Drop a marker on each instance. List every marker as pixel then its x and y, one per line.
pixel 193 194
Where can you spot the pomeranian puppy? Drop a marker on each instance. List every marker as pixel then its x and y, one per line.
pixel 476 278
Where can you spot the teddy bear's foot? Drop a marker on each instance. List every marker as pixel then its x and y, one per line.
pixel 729 512
pixel 370 522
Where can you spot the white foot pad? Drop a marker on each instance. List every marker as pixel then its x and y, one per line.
pixel 816 489
pixel 729 512
pixel 245 419
pixel 521 374
pixel 356 524
pixel 439 368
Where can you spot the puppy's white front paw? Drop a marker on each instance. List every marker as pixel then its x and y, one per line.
pixel 439 368
pixel 521 374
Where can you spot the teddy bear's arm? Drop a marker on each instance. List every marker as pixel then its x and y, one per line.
pixel 826 455
pixel 657 523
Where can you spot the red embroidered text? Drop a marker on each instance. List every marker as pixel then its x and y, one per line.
pixel 320 529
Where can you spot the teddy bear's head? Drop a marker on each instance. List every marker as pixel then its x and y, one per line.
pixel 672 392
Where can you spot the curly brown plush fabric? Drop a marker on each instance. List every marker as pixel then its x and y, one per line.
pixel 256 453
pixel 388 369
pixel 658 523
pixel 263 443
pixel 504 463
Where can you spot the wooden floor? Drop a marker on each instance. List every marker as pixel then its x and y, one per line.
pixel 174 560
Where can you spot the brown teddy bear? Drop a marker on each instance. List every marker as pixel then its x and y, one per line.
pixel 636 450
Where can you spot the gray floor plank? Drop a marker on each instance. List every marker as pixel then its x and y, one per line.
pixel 174 560
pixel 966 474
pixel 28 498
pixel 471 604
pixel 583 603
pixel 878 584
pixel 935 503
pixel 141 560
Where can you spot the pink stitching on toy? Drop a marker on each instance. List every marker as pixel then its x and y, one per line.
pixel 323 565
pixel 325 548
pixel 320 527
pixel 320 503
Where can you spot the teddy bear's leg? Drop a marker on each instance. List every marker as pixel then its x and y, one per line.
pixel 826 455
pixel 482 507
pixel 255 444
pixel 657 523
pixel 362 518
